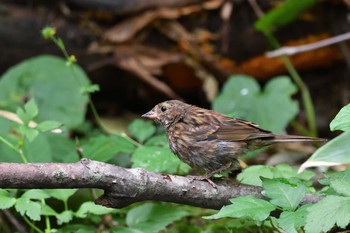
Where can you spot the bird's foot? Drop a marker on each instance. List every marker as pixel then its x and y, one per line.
pixel 203 178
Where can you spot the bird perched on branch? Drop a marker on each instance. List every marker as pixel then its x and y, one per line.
pixel 208 140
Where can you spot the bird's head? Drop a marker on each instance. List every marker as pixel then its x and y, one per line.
pixel 168 112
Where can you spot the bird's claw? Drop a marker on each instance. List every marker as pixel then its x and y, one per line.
pixel 203 178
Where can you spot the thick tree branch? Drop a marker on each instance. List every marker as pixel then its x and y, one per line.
pixel 126 186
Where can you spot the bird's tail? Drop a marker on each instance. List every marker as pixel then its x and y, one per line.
pixel 296 138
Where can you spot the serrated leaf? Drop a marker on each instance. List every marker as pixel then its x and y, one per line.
pixel 48 126
pixel 5 200
pixel 326 213
pixel 341 186
pixel 341 120
pixel 61 194
pixel 103 148
pixel 64 217
pixel 246 206
pixel 141 129
pixel 157 140
pixel 283 192
pixel 32 209
pixel 334 152
pixel 47 210
pixel 283 14
pixel 91 208
pixel 291 221
pixel 271 108
pixel 158 159
pixel 152 217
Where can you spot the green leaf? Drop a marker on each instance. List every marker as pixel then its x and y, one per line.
pixel 91 88
pixel 292 221
pixel 272 108
pixel 32 209
pixel 341 120
pixel 64 217
pixel 251 175
pixel 335 152
pixel 46 210
pixel 5 200
pixel 28 132
pixel 103 148
pixel 126 230
pixel 282 15
pixel 54 86
pixel 284 193
pixel 61 194
pixel 245 206
pixel 158 159
pixel 29 112
pixel 158 140
pixel 326 213
pixel 36 194
pixel 91 208
pixel 141 129
pixel 341 186
pixel 151 217
pixel 48 126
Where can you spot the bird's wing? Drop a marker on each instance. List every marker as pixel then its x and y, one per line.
pixel 232 129
pixel 209 125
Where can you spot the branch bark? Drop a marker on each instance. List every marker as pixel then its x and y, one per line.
pixel 126 186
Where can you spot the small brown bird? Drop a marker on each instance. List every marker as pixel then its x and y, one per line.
pixel 208 140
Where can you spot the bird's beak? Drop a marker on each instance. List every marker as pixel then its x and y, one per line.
pixel 150 115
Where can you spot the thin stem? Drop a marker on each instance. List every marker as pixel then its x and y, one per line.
pixel 32 225
pixel 305 94
pixel 47 220
pixel 18 151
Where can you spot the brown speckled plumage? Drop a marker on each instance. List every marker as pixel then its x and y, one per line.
pixel 209 140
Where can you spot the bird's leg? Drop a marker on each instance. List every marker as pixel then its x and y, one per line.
pixel 207 176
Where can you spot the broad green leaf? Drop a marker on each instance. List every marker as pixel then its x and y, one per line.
pixel 76 228
pixel 39 150
pixel 32 209
pixel 341 186
pixel 141 129
pixel 158 159
pixel 91 88
pixel 5 200
pixel 54 86
pixel 284 193
pixel 341 120
pixel 48 125
pixel 251 175
pixel 151 217
pixel 291 221
pixel 245 206
pixel 91 208
pixel 326 213
pixel 103 148
pixel 335 152
pixel 62 149
pixel 283 14
pixel 61 194
pixel 158 140
pixel 271 108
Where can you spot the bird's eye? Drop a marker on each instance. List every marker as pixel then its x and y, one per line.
pixel 163 108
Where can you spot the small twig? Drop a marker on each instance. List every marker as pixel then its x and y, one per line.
pixel 292 50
